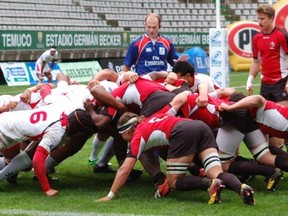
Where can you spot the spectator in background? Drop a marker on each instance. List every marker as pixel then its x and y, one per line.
pixel 42 64
pixel 270 50
pixel 151 51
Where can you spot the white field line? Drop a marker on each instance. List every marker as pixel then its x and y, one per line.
pixel 52 213
pixel 244 86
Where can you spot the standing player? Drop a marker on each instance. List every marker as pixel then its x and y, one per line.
pixel 270 50
pixel 42 68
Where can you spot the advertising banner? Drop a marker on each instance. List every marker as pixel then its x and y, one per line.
pixel 219 63
pixel 81 71
pixel 15 74
pixel 31 40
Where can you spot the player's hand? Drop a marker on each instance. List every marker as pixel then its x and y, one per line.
pixel 88 105
pixel 249 88
pixel 51 192
pixel 11 105
pixel 171 78
pixel 182 58
pixel 105 199
pixel 133 77
pixel 92 83
pixel 249 85
pixel 223 107
pixel 26 96
pixel 202 101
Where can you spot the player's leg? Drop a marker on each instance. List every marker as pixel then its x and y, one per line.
pixel 97 144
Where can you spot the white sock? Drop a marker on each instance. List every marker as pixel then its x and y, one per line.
pixel 107 154
pixel 2 163
pixel 97 145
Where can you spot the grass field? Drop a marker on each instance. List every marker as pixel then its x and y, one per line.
pixel 79 187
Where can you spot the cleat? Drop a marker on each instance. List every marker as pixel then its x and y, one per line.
pixel 12 179
pixel 92 162
pixel 104 169
pixel 247 195
pixel 273 180
pixel 162 189
pixel 215 191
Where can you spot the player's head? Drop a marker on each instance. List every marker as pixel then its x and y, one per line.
pixel 184 70
pixel 127 124
pixel 62 77
pixel 265 17
pixel 53 50
pixel 236 96
pixel 152 25
pixel 80 121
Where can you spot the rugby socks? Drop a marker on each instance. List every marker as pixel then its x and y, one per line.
pixel 281 162
pixel 19 163
pixel 159 178
pixel 245 167
pixel 50 164
pixel 192 183
pixel 97 145
pixel 230 181
pixel 107 154
pixel 278 150
pixel 2 163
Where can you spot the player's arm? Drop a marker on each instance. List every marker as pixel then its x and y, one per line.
pixel 203 89
pixel 101 95
pixel 177 102
pixel 25 97
pixel 224 92
pixel 106 74
pixel 121 177
pixel 7 107
pixel 253 101
pixel 254 69
pixel 158 75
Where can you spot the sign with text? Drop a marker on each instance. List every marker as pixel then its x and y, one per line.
pixel 219 62
pixel 240 35
pixel 15 73
pixel 81 71
pixel 28 40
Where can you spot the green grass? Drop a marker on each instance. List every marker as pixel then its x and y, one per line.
pixel 79 187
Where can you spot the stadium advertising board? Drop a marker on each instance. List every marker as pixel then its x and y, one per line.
pixel 240 35
pixel 23 73
pixel 113 64
pixel 219 63
pixel 31 40
pixel 281 17
pixel 81 71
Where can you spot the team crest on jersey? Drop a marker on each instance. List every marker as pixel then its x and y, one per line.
pixel 161 50
pixel 272 45
pixel 148 49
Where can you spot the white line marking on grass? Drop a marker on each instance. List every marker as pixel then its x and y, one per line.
pixel 244 86
pixel 52 213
